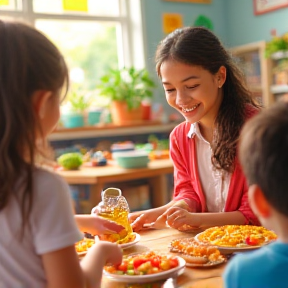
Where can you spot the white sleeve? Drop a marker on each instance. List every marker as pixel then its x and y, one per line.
pixel 52 217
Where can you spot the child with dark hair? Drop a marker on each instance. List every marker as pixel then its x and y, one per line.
pixel 202 82
pixel 264 157
pixel 38 229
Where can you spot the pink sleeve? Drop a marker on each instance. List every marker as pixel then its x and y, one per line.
pixel 238 196
pixel 183 188
pixel 250 218
pixel 245 209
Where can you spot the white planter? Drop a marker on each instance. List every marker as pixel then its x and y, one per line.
pixel 279 55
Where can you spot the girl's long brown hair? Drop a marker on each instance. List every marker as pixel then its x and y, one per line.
pixel 199 46
pixel 28 62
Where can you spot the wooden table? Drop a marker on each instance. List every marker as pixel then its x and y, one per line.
pixel 97 177
pixel 158 240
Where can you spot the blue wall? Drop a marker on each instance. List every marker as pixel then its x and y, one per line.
pixel 244 27
pixel 152 18
pixel 234 23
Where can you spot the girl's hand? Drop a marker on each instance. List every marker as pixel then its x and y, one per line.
pixel 98 255
pixel 138 219
pixel 96 225
pixel 178 218
pixel 111 252
pixel 103 226
pixel 95 210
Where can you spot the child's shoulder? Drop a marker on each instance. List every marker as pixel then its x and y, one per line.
pixel 251 111
pixel 48 180
pixel 47 174
pixel 183 127
pixel 258 257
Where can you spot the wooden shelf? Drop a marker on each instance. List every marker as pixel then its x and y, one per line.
pixel 246 54
pixel 106 130
pixel 279 87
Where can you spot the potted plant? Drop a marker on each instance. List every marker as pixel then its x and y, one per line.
pixel 278 47
pixel 126 88
pixel 72 113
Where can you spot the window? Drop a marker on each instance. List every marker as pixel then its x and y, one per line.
pixel 92 34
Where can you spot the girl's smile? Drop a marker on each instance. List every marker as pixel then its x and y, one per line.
pixel 187 110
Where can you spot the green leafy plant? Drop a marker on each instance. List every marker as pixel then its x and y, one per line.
pixel 277 44
pixel 78 101
pixel 127 84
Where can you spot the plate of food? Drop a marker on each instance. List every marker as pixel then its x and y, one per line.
pixel 145 267
pixel 126 242
pixel 196 254
pixel 134 239
pixel 236 238
pixel 83 245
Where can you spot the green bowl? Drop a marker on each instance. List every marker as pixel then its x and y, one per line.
pixel 132 159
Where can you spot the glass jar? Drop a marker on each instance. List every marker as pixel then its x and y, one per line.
pixel 114 207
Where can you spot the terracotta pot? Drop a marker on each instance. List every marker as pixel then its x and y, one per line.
pixel 121 115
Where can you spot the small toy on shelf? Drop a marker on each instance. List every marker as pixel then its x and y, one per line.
pixel 98 159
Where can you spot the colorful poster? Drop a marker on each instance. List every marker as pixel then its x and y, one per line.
pixel 172 21
pixel 75 5
pixel 4 2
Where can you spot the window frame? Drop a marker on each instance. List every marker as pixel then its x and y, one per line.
pixel 130 46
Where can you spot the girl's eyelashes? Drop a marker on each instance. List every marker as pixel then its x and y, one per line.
pixel 192 87
pixel 169 90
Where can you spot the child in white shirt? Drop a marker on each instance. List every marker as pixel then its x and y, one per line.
pixel 38 229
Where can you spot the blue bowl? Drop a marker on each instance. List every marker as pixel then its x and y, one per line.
pixel 132 159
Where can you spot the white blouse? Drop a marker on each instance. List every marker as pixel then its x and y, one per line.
pixel 215 183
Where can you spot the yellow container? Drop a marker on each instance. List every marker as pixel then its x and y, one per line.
pixel 114 207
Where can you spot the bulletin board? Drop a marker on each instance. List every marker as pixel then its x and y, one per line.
pixel 265 6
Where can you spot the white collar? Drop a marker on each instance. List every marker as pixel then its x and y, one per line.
pixel 195 130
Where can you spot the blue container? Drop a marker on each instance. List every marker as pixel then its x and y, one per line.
pixel 72 120
pixel 94 117
pixel 132 159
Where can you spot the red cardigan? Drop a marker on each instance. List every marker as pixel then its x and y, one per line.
pixel 187 181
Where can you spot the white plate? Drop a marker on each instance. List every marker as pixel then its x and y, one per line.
pixel 125 245
pixel 122 246
pixel 228 250
pixel 206 265
pixel 173 273
pixel 129 244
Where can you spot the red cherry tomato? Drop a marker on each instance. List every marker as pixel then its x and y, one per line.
pixel 138 261
pixel 155 261
pixel 251 241
pixel 123 266
pixel 173 262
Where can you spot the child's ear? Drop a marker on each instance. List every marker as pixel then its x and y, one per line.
pixel 258 201
pixel 221 76
pixel 40 99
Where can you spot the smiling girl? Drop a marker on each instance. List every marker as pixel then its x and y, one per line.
pixel 202 83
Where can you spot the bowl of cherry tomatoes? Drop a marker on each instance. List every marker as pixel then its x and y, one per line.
pixel 145 267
